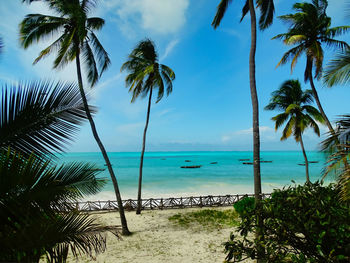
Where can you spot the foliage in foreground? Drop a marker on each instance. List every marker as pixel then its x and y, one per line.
pixel 33 192
pixel 301 224
pixel 208 218
pixel 36 119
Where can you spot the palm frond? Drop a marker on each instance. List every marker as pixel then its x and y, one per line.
pixel 280 119
pixel 95 23
pixel 336 31
pixel 90 63
pixel 245 10
pixel 40 117
pixel 101 53
pixel 31 191
pixel 36 27
pixel 220 12
pixel 267 10
pixel 66 52
pixel 338 69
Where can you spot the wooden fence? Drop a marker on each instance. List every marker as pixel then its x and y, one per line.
pixel 162 203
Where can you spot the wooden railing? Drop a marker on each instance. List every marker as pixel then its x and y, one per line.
pixel 162 203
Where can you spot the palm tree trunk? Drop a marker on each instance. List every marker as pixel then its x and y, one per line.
pixel 306 161
pixel 139 201
pixel 317 99
pixel 256 136
pixel 125 230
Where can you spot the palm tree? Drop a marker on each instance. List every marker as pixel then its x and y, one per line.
pixel 77 39
pixel 145 74
pixel 295 104
pixel 309 28
pixel 267 9
pixel 37 118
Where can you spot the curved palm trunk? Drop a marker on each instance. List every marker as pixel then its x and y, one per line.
pixel 139 201
pixel 256 136
pixel 306 161
pixel 125 230
pixel 317 99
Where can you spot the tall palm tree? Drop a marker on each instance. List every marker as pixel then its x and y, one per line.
pixel 145 74
pixel 267 9
pixel 309 28
pixel 76 40
pixel 297 112
pixel 35 119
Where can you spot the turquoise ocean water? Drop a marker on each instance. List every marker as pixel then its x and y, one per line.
pixel 163 177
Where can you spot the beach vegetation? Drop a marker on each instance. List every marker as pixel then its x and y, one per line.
pixel 146 74
pixel 35 218
pixel 210 219
pixel 245 205
pixel 302 223
pixel 267 9
pixel 296 112
pixel 76 40
pixel 309 29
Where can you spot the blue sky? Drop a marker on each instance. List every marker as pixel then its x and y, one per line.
pixel 210 107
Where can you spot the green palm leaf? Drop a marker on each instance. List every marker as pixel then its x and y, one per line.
pixel 338 69
pixel 32 194
pixel 39 117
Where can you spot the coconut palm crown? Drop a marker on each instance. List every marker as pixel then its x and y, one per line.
pixel 76 36
pixel 309 27
pixel 146 73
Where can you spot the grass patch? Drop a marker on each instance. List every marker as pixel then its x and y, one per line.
pixel 208 218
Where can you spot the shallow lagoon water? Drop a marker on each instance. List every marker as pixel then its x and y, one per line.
pixel 163 177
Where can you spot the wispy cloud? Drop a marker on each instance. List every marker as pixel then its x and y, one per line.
pixel 169 48
pixel 155 16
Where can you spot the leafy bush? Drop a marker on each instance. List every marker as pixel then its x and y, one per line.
pixel 301 224
pixel 245 205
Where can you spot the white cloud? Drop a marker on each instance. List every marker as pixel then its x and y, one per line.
pixel 266 134
pixel 130 128
pixel 169 48
pixel 155 16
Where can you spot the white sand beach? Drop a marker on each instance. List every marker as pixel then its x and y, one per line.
pixel 156 239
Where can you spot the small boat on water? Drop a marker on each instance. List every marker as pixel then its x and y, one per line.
pixel 214 163
pixel 191 166
pixel 248 163
pixel 241 160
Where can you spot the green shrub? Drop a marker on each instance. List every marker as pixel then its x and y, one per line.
pixel 245 205
pixel 301 224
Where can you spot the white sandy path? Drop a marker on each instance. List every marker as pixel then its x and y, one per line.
pixel 155 239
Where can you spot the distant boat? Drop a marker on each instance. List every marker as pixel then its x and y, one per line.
pixel 187 161
pixel 214 163
pixel 248 163
pixel 313 161
pixel 191 166
pixel 266 161
pixel 301 164
pixel 243 160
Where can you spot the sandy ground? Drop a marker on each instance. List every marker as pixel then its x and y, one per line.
pixel 156 239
